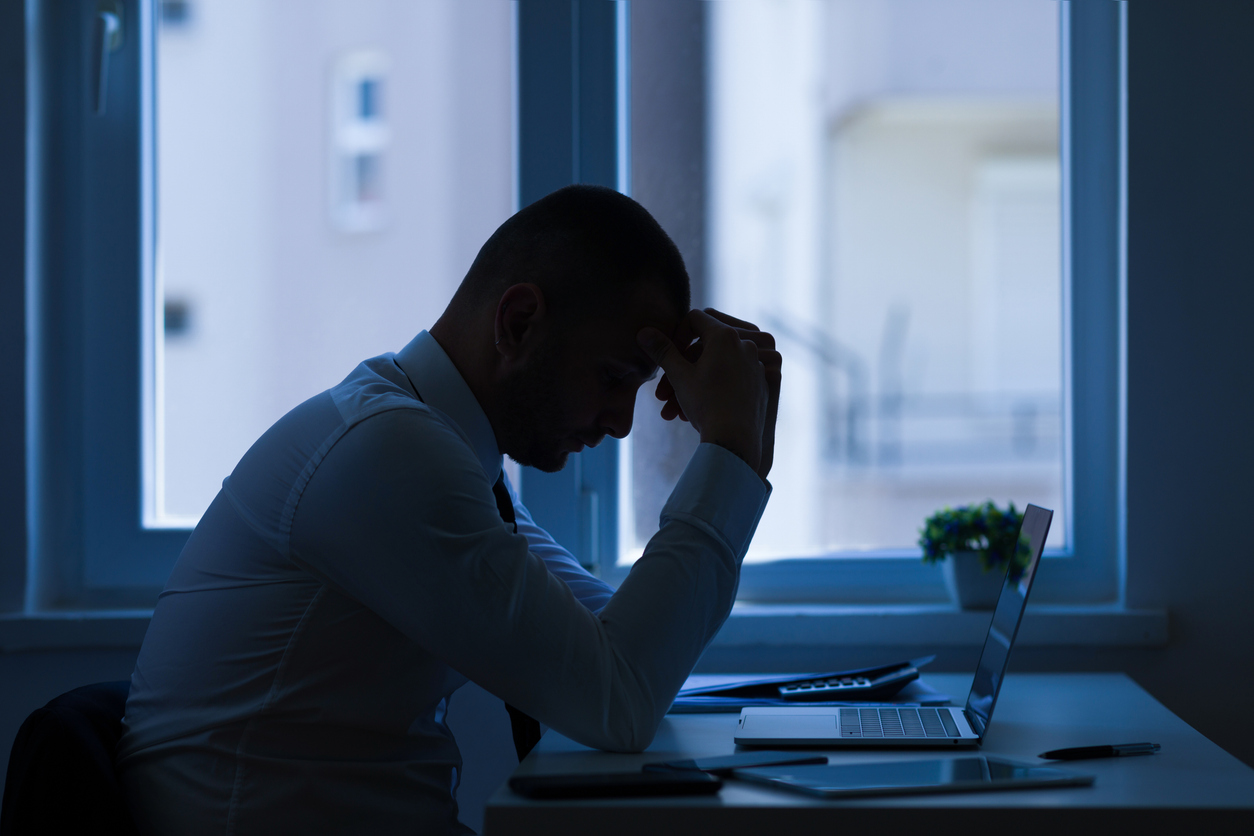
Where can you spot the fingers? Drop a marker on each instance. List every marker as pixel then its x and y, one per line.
pixel 665 356
pixel 672 410
pixel 770 358
pixel 702 323
pixel 728 319
pixel 772 363
pixel 665 392
pixel 714 378
pixel 662 351
pixel 745 330
pixel 698 324
pixel 683 335
pixel 672 360
pixel 678 355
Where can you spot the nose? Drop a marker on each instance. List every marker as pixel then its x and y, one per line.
pixel 617 417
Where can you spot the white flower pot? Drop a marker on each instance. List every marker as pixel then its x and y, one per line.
pixel 970 587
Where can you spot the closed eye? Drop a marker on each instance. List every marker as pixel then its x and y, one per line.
pixel 636 370
pixel 616 375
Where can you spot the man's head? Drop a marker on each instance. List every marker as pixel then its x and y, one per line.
pixel 544 325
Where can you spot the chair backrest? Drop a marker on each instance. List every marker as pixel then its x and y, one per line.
pixel 61 777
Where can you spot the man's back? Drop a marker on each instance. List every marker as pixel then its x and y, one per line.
pixel 259 668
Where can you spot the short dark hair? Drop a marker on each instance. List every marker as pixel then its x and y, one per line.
pixel 580 245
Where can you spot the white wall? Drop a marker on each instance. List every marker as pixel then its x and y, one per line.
pixel 283 302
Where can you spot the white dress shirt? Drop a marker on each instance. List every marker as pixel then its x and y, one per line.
pixel 354 571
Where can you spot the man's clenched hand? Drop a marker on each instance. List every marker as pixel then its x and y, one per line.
pixel 725 383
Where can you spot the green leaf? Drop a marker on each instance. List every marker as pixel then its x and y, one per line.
pixel 989 531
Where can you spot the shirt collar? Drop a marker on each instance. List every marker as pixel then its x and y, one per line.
pixel 442 387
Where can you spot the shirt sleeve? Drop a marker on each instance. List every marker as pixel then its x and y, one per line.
pixel 400 516
pixel 591 591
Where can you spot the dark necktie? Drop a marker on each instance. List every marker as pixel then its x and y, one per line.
pixel 526 730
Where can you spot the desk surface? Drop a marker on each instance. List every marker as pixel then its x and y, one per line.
pixel 1190 778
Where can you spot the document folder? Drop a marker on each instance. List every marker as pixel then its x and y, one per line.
pixel 894 684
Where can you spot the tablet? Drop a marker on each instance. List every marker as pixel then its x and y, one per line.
pixel 909 777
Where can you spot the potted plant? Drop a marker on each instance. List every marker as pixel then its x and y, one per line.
pixel 983 541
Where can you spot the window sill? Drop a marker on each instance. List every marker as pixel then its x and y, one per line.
pixel 750 625
pixel 941 625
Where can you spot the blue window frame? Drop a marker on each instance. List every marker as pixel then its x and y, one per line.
pixel 73 335
pixel 13 264
pixel 571 129
pixel 89 294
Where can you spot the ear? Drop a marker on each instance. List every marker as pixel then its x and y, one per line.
pixel 520 316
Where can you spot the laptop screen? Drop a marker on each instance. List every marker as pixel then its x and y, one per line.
pixel 1006 618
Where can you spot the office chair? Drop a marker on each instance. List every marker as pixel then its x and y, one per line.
pixel 61 777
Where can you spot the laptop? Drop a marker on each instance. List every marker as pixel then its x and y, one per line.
pixel 916 727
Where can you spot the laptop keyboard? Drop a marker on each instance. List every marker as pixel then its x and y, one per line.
pixel 897 722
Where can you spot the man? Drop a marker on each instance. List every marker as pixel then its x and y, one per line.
pixel 359 565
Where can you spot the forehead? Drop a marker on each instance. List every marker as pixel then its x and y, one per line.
pixel 611 329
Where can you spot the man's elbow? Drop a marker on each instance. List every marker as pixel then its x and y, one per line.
pixel 626 733
pixel 630 741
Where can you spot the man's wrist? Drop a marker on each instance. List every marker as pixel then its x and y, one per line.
pixel 719 488
pixel 750 454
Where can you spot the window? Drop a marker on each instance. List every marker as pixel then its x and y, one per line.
pixel 882 192
pixel 883 185
pixel 359 138
pixel 131 283
pixel 321 189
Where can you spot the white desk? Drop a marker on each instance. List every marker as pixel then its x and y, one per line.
pixel 1192 784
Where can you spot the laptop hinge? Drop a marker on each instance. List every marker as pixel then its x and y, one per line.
pixel 974 722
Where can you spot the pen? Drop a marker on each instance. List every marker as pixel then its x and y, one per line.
pixel 1085 752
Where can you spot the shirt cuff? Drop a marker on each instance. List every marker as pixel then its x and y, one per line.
pixel 719 491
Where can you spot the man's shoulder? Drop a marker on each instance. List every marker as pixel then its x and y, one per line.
pixel 375 385
pixel 376 399
pixel 376 417
pixel 308 430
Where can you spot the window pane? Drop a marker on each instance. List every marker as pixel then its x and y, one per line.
pixel 882 192
pixel 327 170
